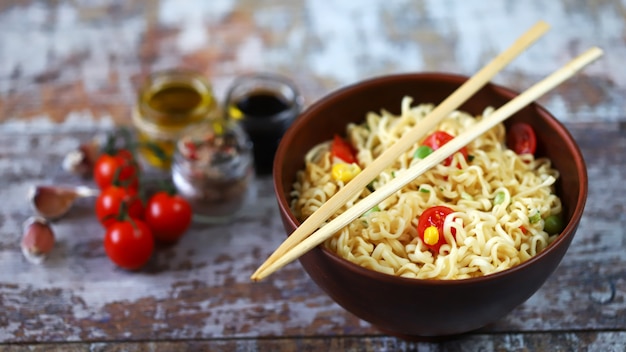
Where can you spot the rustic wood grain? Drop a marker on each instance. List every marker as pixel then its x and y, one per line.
pixel 199 289
pixel 84 61
pixel 603 341
pixel 69 70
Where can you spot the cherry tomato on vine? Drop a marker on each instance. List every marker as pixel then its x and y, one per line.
pixel 343 150
pixel 521 138
pixel 430 227
pixel 437 139
pixel 129 243
pixel 168 216
pixel 122 164
pixel 109 204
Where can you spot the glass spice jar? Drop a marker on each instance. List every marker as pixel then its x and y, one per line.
pixel 213 167
pixel 169 102
pixel 265 105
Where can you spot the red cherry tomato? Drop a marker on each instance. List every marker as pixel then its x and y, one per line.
pixel 343 150
pixel 521 138
pixel 129 243
pixel 168 216
pixel 434 217
pixel 107 166
pixel 438 139
pixel 109 204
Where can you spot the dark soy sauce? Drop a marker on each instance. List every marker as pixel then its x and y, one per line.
pixel 261 104
pixel 266 117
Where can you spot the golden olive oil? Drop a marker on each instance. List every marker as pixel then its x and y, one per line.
pixel 168 103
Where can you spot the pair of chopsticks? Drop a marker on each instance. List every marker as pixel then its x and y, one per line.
pixel 309 234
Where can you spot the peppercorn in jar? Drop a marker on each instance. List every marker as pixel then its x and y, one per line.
pixel 212 168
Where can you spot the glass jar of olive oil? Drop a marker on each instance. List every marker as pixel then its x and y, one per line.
pixel 168 103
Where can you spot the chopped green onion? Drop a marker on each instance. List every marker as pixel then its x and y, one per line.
pixel 424 190
pixel 466 196
pixel 535 217
pixel 370 186
pixel 553 224
pixel 499 198
pixel 422 152
pixel 374 209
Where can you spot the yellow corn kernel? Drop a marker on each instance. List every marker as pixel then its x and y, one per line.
pixel 345 172
pixel 431 235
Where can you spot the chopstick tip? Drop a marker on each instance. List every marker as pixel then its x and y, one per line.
pixel 540 27
pixel 597 51
pixel 543 24
pixel 258 274
pixel 256 277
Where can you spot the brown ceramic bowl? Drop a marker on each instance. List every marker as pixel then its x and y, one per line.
pixel 413 308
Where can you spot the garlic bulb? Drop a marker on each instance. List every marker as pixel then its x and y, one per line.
pixel 38 239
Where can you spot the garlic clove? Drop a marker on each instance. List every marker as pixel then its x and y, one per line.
pixel 37 240
pixel 81 160
pixel 52 202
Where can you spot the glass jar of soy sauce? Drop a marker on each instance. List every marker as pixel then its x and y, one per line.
pixel 168 103
pixel 265 105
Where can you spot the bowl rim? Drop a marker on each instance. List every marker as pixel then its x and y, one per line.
pixel 570 143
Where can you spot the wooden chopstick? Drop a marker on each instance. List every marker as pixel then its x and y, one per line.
pixel 433 159
pixel 452 102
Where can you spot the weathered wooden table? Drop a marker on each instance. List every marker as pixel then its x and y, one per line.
pixel 70 69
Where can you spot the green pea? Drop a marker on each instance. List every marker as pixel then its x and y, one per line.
pixel 422 152
pixel 553 224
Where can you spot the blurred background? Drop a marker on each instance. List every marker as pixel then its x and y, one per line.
pixel 70 69
pixel 92 55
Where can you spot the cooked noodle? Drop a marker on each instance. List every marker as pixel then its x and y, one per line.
pixel 490 236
